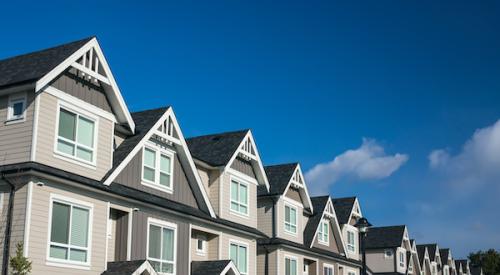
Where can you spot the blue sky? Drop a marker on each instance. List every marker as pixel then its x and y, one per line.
pixel 363 92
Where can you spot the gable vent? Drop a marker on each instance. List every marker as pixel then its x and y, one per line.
pixel 90 67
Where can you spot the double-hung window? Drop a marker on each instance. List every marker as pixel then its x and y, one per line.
pixel 157 166
pixel 351 241
pixel 323 232
pixel 327 270
pixel 17 107
pixel 401 259
pixel 75 136
pixel 239 197
pixel 69 232
pixel 239 255
pixel 290 266
pixel 290 219
pixel 161 247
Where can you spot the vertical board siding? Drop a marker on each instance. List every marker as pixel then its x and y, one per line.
pixel 132 176
pixel 332 241
pixel 39 229
pixel 211 249
pixel 243 166
pixel 46 139
pixel 139 238
pixel 265 216
pixel 16 138
pixel 377 261
pixel 80 87
pixel 294 194
pixel 225 202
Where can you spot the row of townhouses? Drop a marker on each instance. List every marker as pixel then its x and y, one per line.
pixel 88 187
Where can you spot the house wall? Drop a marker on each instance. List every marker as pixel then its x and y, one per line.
pixel 332 241
pixel 282 254
pixel 225 203
pixel 400 269
pixel 265 216
pixel 132 176
pixel 301 219
pixel 15 138
pixel 45 145
pixel 272 261
pixel 225 240
pixel 243 166
pixel 353 255
pixel 212 246
pixel 376 260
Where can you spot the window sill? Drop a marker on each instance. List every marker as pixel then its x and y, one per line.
pixel 75 161
pixel 290 233
pixel 245 216
pixel 11 121
pixel 323 243
pixel 157 187
pixel 63 264
pixel 201 253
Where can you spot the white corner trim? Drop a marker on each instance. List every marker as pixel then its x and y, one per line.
pixel 34 138
pixel 27 221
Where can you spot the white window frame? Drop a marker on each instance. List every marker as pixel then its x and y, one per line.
pixel 163 224
pixel 329 267
pixel 246 246
pixel 351 247
pixel 240 182
pixel 289 223
pixel 402 260
pixel 68 263
pixel 203 250
pixel 158 153
pixel 80 113
pixel 292 258
pixel 13 99
pixel 323 234
pixel 387 252
pixel 410 268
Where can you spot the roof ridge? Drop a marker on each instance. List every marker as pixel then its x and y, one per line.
pixel 282 164
pixel 221 133
pixel 150 110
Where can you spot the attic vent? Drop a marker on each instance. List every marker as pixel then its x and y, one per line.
pixel 248 147
pixel 89 66
pixel 297 181
pixel 167 127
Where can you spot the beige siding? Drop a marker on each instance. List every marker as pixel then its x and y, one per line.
pixel 294 195
pixel 280 231
pixel 15 138
pixel 212 246
pixel 265 216
pixel 332 241
pixel 225 200
pixel 353 255
pixel 225 241
pixel 282 255
pixel 243 166
pixel 40 225
pixel 46 139
pixel 377 262
pixel 211 182
pixel 272 262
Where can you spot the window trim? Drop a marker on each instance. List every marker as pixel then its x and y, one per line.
pixel 321 241
pixel 13 99
pixel 291 206
pixel 242 244
pixel 388 256
pixel 349 245
pixel 292 258
pixel 158 153
pixel 79 112
pixel 162 224
pixel 240 182
pixel 329 266
pixel 203 250
pixel 68 263
pixel 402 259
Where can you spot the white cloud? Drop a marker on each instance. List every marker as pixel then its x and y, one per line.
pixel 368 162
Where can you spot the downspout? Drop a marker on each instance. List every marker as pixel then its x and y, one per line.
pixel 8 229
pixel 266 262
pixel 273 199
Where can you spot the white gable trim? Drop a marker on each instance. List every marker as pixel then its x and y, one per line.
pixel 230 267
pixel 116 99
pixel 337 227
pixel 260 173
pixel 302 188
pixel 356 203
pixel 183 151
pixel 145 266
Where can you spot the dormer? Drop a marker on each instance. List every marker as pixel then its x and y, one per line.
pixel 348 211
pixel 390 245
pixel 323 230
pixel 231 170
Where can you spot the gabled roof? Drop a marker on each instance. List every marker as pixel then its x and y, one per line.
pixel 279 177
pixel 444 253
pixel 319 203
pixel 28 68
pixel 458 265
pixel 220 267
pixel 464 264
pixel 432 249
pixel 129 268
pixel 385 237
pixel 343 208
pixel 216 149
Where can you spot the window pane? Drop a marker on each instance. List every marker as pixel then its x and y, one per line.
pixel 60 223
pixel 149 174
pixel 168 244
pixel 156 265
pixel 78 255
pixel 149 158
pixel 154 242
pixel 165 179
pixel 242 259
pixel 79 227
pixel 200 244
pixel 243 209
pixel 293 216
pixel 233 253
pixel 287 267
pixel 235 206
pixel 85 132
pixel 293 267
pixel 234 191
pixel 287 214
pixel 165 164
pixel 18 109
pixel 67 124
pixel 84 154
pixel 167 268
pixel 65 147
pixel 58 252
pixel 243 194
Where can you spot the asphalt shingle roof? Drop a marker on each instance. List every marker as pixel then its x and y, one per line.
pixel 319 204
pixel 384 237
pixel 464 264
pixel 343 208
pixel 123 267
pixel 216 149
pixel 444 253
pixel 31 67
pixel 431 248
pixel 421 254
pixel 279 176
pixel 209 267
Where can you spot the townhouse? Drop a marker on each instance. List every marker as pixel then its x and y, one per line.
pixel 447 261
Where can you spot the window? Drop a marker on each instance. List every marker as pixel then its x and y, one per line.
pixel 75 136
pixel 69 232
pixel 434 269
pixel 238 254
pixel 239 197
pixel 161 247
pixel 201 244
pixel 351 273
pixel 290 219
pixel 17 107
pixel 327 270
pixel 401 259
pixel 388 254
pixel 157 166
pixel 410 268
pixel 290 266
pixel 323 232
pixel 351 243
